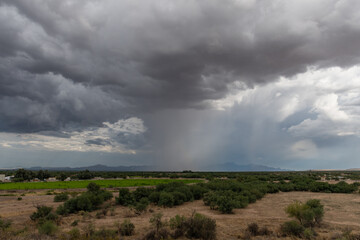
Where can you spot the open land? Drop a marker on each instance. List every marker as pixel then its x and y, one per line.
pixel 342 212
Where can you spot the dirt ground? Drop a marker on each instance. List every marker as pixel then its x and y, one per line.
pixel 342 212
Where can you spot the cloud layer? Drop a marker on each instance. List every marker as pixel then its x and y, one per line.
pixel 67 66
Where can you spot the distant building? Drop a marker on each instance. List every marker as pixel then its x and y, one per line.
pixel 68 179
pixel 8 178
pixel 2 177
pixel 51 179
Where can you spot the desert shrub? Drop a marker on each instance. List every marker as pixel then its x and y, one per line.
pixel 198 191
pixel 307 214
pixel 200 226
pixel 93 187
pixel 61 197
pixel 253 229
pixel 74 234
pixel 125 197
pixel 104 234
pixel 87 201
pixel 42 213
pixel 157 235
pixel 156 221
pixel 142 192
pixel 75 223
pixel 48 228
pixel 4 224
pixel 142 205
pixel 309 234
pixel 292 228
pixel 166 199
pixel 154 197
pixel 178 223
pixel 127 228
pixel 226 203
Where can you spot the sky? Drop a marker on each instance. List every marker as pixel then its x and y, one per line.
pixel 180 84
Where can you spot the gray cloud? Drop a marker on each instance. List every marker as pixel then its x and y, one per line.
pixel 70 65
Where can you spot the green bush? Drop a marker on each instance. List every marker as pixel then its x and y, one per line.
pixel 307 214
pixel 61 197
pixel 292 228
pixel 166 199
pixel 179 224
pixel 48 228
pixel 41 213
pixel 125 197
pixel 127 228
pixel 87 201
pixel 142 205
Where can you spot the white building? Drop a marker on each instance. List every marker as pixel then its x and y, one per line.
pixel 2 177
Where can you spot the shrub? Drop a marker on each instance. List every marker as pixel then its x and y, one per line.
pixel 253 229
pixel 61 197
pixel 41 213
pixel 93 187
pixel 75 223
pixel 154 197
pixel 307 214
pixel 309 234
pixel 87 201
pixel 178 223
pixel 74 234
pixel 156 221
pixel 127 228
pixel 4 224
pixel 125 197
pixel 142 205
pixel 200 226
pixel 48 228
pixel 292 228
pixel 166 199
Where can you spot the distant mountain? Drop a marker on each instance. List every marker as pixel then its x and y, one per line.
pixel 234 167
pixel 224 167
pixel 98 167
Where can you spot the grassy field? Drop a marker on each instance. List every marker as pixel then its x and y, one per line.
pixel 83 184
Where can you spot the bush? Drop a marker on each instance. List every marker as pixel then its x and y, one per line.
pixel 307 214
pixel 48 228
pixel 142 205
pixel 199 226
pixel 74 234
pixel 4 224
pixel 253 229
pixel 87 201
pixel 125 197
pixel 61 197
pixel 41 213
pixel 292 228
pixel 93 187
pixel 127 228
pixel 166 199
pixel 178 223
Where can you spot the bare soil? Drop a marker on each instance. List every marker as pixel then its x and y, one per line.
pixel 342 212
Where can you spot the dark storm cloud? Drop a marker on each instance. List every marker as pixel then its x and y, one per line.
pixel 84 62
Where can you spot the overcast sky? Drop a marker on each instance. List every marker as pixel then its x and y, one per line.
pixel 180 84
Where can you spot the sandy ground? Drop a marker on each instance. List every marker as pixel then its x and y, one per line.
pixel 342 211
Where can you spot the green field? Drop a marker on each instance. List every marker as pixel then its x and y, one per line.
pixel 84 183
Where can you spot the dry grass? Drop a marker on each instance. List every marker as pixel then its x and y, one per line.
pixel 342 211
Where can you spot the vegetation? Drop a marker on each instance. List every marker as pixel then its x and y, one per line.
pixel 61 197
pixel 127 228
pixel 87 201
pixel 83 184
